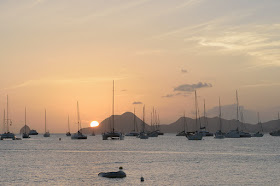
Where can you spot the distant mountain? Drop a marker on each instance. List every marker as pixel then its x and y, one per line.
pixel 124 123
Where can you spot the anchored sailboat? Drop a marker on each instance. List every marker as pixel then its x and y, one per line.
pixel 143 134
pixel 68 133
pixel 259 133
pixel 47 133
pixel 78 135
pixel 183 133
pixel 277 132
pixel 113 134
pixel 219 134
pixel 195 135
pixel 25 134
pixel 234 133
pixel 7 134
pixel 203 130
pixel 134 131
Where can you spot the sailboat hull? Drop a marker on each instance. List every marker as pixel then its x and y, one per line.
pixel 195 136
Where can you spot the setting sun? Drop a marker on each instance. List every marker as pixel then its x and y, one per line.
pixel 94 124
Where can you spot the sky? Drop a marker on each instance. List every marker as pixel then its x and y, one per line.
pixel 158 52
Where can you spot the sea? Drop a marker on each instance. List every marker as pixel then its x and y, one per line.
pixel 165 160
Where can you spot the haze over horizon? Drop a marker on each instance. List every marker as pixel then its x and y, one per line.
pixel 55 53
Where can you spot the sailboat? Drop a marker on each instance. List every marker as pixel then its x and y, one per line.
pixel 7 122
pixel 25 134
pixel 277 132
pixel 133 132
pixel 234 133
pixel 195 135
pixel 203 130
pixel 68 133
pixel 183 133
pixel 258 134
pixel 78 134
pixel 153 133
pixel 219 134
pixel 113 134
pixel 47 133
pixel 143 134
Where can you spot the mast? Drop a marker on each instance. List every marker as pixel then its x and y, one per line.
pixel 220 115
pixel 143 123
pixel 113 109
pixel 134 120
pixel 45 121
pixel 68 124
pixel 25 120
pixel 259 122
pixel 4 122
pixel 237 106
pixel 184 122
pixel 78 115
pixel 195 109
pixel 7 114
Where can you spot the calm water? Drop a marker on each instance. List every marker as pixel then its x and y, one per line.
pixel 166 160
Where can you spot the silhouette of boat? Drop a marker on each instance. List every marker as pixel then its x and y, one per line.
pixel 68 133
pixel 7 122
pixel 33 132
pixel 113 134
pixel 25 134
pixel 195 135
pixel 219 134
pixel 78 135
pixel 47 133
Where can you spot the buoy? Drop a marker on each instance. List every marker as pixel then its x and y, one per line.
pixel 59 139
pixel 142 179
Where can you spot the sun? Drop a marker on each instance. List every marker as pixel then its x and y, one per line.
pixel 94 124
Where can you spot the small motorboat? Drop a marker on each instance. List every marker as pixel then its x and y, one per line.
pixel 118 174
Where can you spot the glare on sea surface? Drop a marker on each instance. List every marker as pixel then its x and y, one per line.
pixel 94 124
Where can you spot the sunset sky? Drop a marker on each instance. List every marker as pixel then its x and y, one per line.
pixel 55 53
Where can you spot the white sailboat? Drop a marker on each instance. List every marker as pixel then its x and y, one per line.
pixel 234 133
pixel 47 133
pixel 113 134
pixel 219 134
pixel 25 134
pixel 143 134
pixel 78 134
pixel 7 134
pixel 195 135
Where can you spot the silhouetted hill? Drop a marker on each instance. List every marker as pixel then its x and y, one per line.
pixel 124 123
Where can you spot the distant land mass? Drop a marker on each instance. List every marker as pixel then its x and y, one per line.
pixel 124 123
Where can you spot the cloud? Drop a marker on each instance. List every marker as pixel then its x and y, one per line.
pixel 137 103
pixel 184 71
pixel 168 95
pixel 62 81
pixel 173 95
pixel 192 87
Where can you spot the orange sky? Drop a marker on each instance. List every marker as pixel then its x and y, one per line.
pixel 55 53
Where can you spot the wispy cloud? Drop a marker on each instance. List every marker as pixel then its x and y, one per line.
pixel 137 103
pixel 62 81
pixel 112 10
pixel 192 87
pixel 184 71
pixel 262 85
